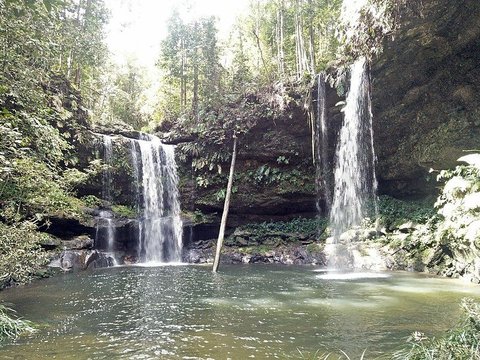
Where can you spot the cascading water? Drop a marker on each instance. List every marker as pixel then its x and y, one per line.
pixel 105 227
pixel 160 224
pixel 355 180
pixel 322 183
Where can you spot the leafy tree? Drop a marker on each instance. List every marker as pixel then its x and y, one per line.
pixel 126 99
pixel 190 61
pixel 290 37
pixel 43 45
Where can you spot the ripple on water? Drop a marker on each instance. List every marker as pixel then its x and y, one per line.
pixel 185 312
pixel 352 276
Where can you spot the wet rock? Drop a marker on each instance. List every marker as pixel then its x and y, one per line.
pixel 349 236
pixel 50 243
pixel 130 260
pixel 198 256
pixel 241 241
pixel 98 259
pixel 77 260
pixel 407 227
pixel 82 242
pixel 72 260
pixel 192 256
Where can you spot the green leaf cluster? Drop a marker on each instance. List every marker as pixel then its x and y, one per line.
pixel 11 326
pixel 298 225
pixel 20 253
pixel 394 212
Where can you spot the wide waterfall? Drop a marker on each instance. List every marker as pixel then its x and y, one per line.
pixel 355 180
pixel 160 224
pixel 159 229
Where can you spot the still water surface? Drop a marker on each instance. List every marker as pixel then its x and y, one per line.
pixel 262 312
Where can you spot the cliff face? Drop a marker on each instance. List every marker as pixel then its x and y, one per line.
pixel 274 175
pixel 426 105
pixel 426 95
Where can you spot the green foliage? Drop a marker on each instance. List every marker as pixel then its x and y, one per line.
pixel 447 241
pixel 11 326
pixel 394 212
pixel 278 39
pixel 198 217
pixel 271 44
pixel 20 253
pixel 91 201
pixel 124 97
pixel 124 211
pixel 31 189
pixel 41 38
pixel 190 60
pixel 43 44
pixel 462 342
pixel 298 225
pixel 459 206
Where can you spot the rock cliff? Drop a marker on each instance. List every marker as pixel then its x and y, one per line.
pixel 426 100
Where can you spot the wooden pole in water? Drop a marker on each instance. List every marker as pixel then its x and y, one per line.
pixel 226 206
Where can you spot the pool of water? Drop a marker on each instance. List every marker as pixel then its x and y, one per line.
pixel 251 311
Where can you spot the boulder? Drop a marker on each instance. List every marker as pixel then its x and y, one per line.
pixel 81 242
pixel 76 260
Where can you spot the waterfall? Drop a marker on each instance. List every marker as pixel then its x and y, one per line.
pixel 160 224
pixel 107 161
pixel 355 180
pixel 322 183
pixel 104 220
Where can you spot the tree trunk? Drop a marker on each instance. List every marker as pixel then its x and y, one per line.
pixel 302 62
pixel 195 77
pixel 256 34
pixel 279 39
pixel 226 206
pixel 282 52
pixel 183 81
pixel 311 38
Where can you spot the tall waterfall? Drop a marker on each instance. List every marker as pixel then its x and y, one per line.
pixel 105 221
pixel 355 180
pixel 160 224
pixel 322 183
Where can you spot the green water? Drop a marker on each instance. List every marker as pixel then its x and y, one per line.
pixel 262 312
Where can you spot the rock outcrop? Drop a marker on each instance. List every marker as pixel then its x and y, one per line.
pixel 426 100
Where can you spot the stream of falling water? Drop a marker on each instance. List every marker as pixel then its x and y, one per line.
pixel 160 224
pixel 355 180
pixel 322 183
pixel 105 221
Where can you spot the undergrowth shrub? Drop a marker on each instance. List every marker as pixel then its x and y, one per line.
pixel 20 253
pixel 299 225
pixel 393 212
pixel 10 326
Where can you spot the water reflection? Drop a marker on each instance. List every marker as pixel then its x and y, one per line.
pixel 245 311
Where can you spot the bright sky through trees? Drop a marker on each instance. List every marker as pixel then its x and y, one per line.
pixel 137 26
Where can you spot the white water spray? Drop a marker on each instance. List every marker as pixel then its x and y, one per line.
pixel 105 221
pixel 322 172
pixel 160 224
pixel 355 180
